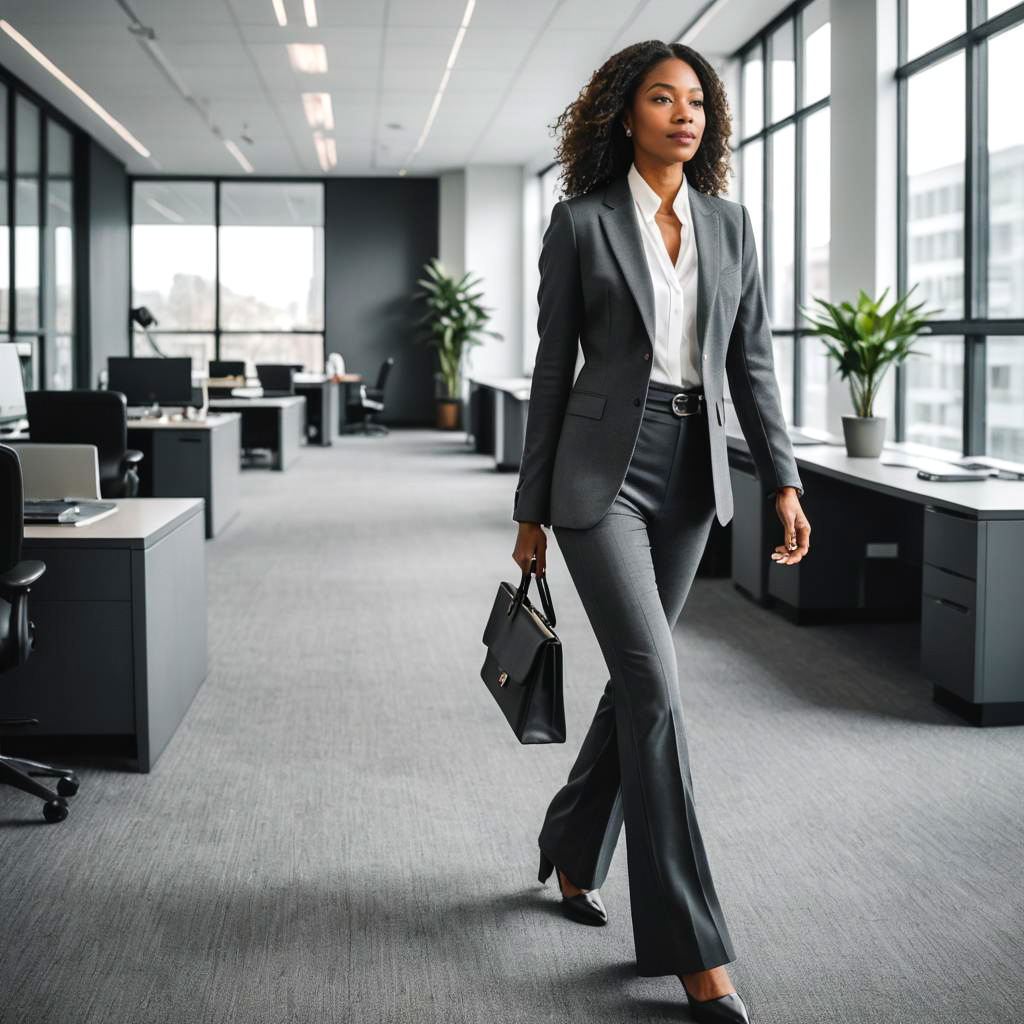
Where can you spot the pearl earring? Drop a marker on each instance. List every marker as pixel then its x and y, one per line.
pixel 629 133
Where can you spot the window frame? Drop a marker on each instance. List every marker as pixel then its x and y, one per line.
pixel 975 326
pixel 217 331
pixel 37 337
pixel 760 44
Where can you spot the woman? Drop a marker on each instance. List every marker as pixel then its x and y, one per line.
pixel 656 277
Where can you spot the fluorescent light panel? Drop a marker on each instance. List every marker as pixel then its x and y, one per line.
pixel 238 155
pixel 326 150
pixel 310 8
pixel 280 12
pixel 309 58
pixel 319 112
pixel 453 54
pixel 75 88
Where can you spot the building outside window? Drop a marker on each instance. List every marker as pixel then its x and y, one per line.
pixel 230 270
pixel 962 182
pixel 782 161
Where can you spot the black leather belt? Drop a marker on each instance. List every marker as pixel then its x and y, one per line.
pixel 676 400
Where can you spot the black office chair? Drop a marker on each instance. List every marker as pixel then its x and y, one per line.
pixel 89 417
pixel 276 379
pixel 359 414
pixel 17 637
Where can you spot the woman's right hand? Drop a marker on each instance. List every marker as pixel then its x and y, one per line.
pixel 531 540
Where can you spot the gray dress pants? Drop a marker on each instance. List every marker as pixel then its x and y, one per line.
pixel 633 570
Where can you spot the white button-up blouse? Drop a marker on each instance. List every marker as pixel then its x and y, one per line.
pixel 676 353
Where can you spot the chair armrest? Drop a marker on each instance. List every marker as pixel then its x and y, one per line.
pixel 133 456
pixel 21 577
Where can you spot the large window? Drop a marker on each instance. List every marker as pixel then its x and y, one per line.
pixel 36 229
pixel 783 165
pixel 962 224
pixel 230 270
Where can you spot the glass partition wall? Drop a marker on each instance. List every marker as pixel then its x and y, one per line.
pixel 230 269
pixel 37 292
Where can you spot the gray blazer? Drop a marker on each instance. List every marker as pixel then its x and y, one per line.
pixel 595 288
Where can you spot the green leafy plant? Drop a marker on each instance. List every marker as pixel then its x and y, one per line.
pixel 456 319
pixel 867 341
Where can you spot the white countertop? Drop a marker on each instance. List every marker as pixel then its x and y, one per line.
pixel 982 499
pixel 137 523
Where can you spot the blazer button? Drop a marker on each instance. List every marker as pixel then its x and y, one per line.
pixel 636 401
pixel 647 355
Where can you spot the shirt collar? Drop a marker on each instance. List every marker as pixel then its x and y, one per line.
pixel 649 201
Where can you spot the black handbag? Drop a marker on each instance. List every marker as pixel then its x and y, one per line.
pixel 523 666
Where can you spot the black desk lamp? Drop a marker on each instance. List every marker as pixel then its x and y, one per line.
pixel 142 316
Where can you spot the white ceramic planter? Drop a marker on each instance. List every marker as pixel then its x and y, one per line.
pixel 864 435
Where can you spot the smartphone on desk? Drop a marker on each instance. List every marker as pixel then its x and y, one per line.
pixel 927 474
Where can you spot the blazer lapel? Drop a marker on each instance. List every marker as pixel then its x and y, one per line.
pixel 623 235
pixel 709 258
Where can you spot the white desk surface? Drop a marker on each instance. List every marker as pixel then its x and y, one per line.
pixel 256 403
pixel 137 523
pixel 517 386
pixel 981 499
pixel 210 423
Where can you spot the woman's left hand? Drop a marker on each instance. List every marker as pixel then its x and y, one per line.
pixel 797 539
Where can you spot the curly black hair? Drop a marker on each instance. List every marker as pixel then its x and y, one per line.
pixel 592 146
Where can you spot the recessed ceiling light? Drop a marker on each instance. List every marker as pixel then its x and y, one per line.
pixel 282 14
pixel 310 8
pixel 319 112
pixel 326 150
pixel 75 88
pixel 309 58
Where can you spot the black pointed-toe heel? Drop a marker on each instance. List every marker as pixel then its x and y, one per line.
pixel 584 907
pixel 727 1009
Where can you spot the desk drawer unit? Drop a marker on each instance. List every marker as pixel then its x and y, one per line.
pixel 948 628
pixel 972 645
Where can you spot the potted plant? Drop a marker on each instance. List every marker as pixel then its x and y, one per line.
pixel 867 341
pixel 456 322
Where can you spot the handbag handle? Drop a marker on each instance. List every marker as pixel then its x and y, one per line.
pixel 545 596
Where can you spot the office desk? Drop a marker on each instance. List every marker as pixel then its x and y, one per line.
pixel 192 459
pixel 498 410
pixel 120 614
pixel 888 544
pixel 348 384
pixel 274 423
pixel 323 413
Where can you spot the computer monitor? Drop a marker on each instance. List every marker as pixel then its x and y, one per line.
pixel 227 367
pixel 12 385
pixel 278 378
pixel 145 381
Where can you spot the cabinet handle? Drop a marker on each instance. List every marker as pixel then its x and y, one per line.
pixel 962 608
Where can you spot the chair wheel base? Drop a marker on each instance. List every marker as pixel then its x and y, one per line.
pixel 54 811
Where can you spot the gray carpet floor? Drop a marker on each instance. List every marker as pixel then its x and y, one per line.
pixel 344 828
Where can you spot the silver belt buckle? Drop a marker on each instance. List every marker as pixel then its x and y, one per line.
pixel 679 404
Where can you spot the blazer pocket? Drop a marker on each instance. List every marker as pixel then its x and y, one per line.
pixel 586 403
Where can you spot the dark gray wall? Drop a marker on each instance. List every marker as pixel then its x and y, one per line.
pixel 378 233
pixel 103 251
